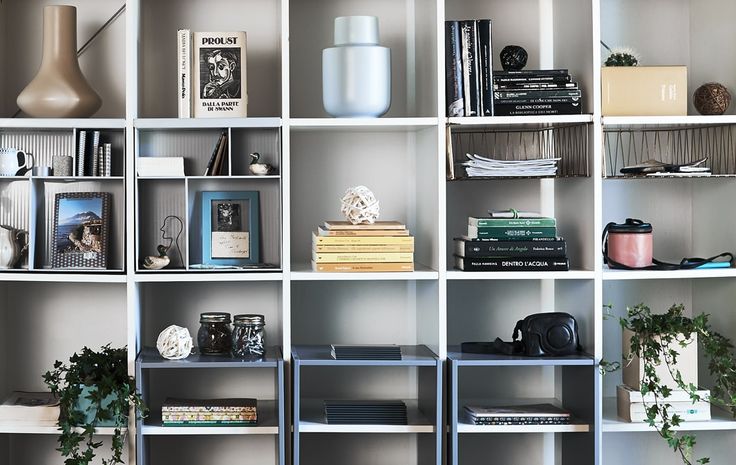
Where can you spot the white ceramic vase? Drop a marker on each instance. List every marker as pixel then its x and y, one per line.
pixel 356 72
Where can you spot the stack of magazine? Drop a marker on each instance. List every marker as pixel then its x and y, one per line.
pixel 365 412
pixel 209 412
pixel 366 352
pixel 478 166
pixel 535 414
pixel 37 408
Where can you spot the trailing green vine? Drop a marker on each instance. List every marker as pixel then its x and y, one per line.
pixel 656 339
pixel 112 396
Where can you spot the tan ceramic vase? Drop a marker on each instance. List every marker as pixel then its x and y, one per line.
pixel 59 90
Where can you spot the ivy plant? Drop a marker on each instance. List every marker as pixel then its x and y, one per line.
pixel 113 393
pixel 656 339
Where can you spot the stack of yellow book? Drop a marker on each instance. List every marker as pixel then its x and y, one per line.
pixel 341 246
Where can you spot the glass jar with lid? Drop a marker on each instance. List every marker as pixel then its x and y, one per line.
pixel 214 335
pixel 249 336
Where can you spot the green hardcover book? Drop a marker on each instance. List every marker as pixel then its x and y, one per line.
pixel 524 232
pixel 512 222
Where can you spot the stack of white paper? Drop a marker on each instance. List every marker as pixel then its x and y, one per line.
pixel 478 166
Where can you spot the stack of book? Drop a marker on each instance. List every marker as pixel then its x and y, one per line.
pixel 209 412
pixel 535 92
pixel 217 163
pixel 30 408
pixel 536 414
pixel 365 412
pixel 365 352
pixel 496 243
pixel 469 72
pixel 94 157
pixel 341 246
pixel 632 405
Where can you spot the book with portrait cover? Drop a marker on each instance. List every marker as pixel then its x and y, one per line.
pixel 219 75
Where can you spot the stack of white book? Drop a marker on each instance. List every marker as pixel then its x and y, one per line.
pixel 478 166
pixel 30 408
pixel 632 405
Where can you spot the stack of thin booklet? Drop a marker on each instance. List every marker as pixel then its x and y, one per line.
pixel 534 414
pixel 365 412
pixel 365 352
pixel 478 166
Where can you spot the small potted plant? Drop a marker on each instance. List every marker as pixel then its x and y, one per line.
pixel 94 390
pixel 657 342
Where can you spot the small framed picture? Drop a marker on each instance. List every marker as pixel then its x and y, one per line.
pixel 230 225
pixel 81 230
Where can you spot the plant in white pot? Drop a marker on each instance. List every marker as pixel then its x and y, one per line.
pixel 94 390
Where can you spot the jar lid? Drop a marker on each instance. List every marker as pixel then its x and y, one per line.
pixel 214 317
pixel 249 319
pixel 631 226
pixel 356 30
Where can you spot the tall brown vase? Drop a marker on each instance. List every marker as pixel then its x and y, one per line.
pixel 59 90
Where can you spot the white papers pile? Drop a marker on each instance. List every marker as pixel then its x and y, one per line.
pixel 478 166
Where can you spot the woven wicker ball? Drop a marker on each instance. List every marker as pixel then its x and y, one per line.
pixel 174 343
pixel 711 99
pixel 359 205
pixel 513 58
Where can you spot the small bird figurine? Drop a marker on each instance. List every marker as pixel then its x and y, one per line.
pixel 259 169
pixel 156 263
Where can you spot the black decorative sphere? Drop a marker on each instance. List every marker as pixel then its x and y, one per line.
pixel 513 58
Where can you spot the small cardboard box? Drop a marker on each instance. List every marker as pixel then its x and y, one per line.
pixel 644 90
pixel 687 364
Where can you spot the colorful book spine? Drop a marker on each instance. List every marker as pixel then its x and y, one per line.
pixel 392 248
pixel 453 70
pixel 521 249
pixel 184 54
pixel 485 65
pixel 362 267
pixel 208 423
pixel 363 232
pixel 512 264
pixel 511 232
pixel 511 222
pixel 530 79
pixel 81 149
pixel 367 257
pixel 362 240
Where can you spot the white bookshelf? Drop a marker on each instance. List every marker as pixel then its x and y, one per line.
pixel 401 157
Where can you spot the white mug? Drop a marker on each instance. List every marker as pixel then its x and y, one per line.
pixel 14 162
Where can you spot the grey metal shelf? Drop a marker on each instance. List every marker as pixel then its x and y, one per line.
pixel 272 412
pixel 319 355
pixel 150 358
pixel 425 411
pixel 468 359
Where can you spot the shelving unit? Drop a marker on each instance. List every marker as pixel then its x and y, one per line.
pixel 418 374
pixel 233 376
pixel 402 158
